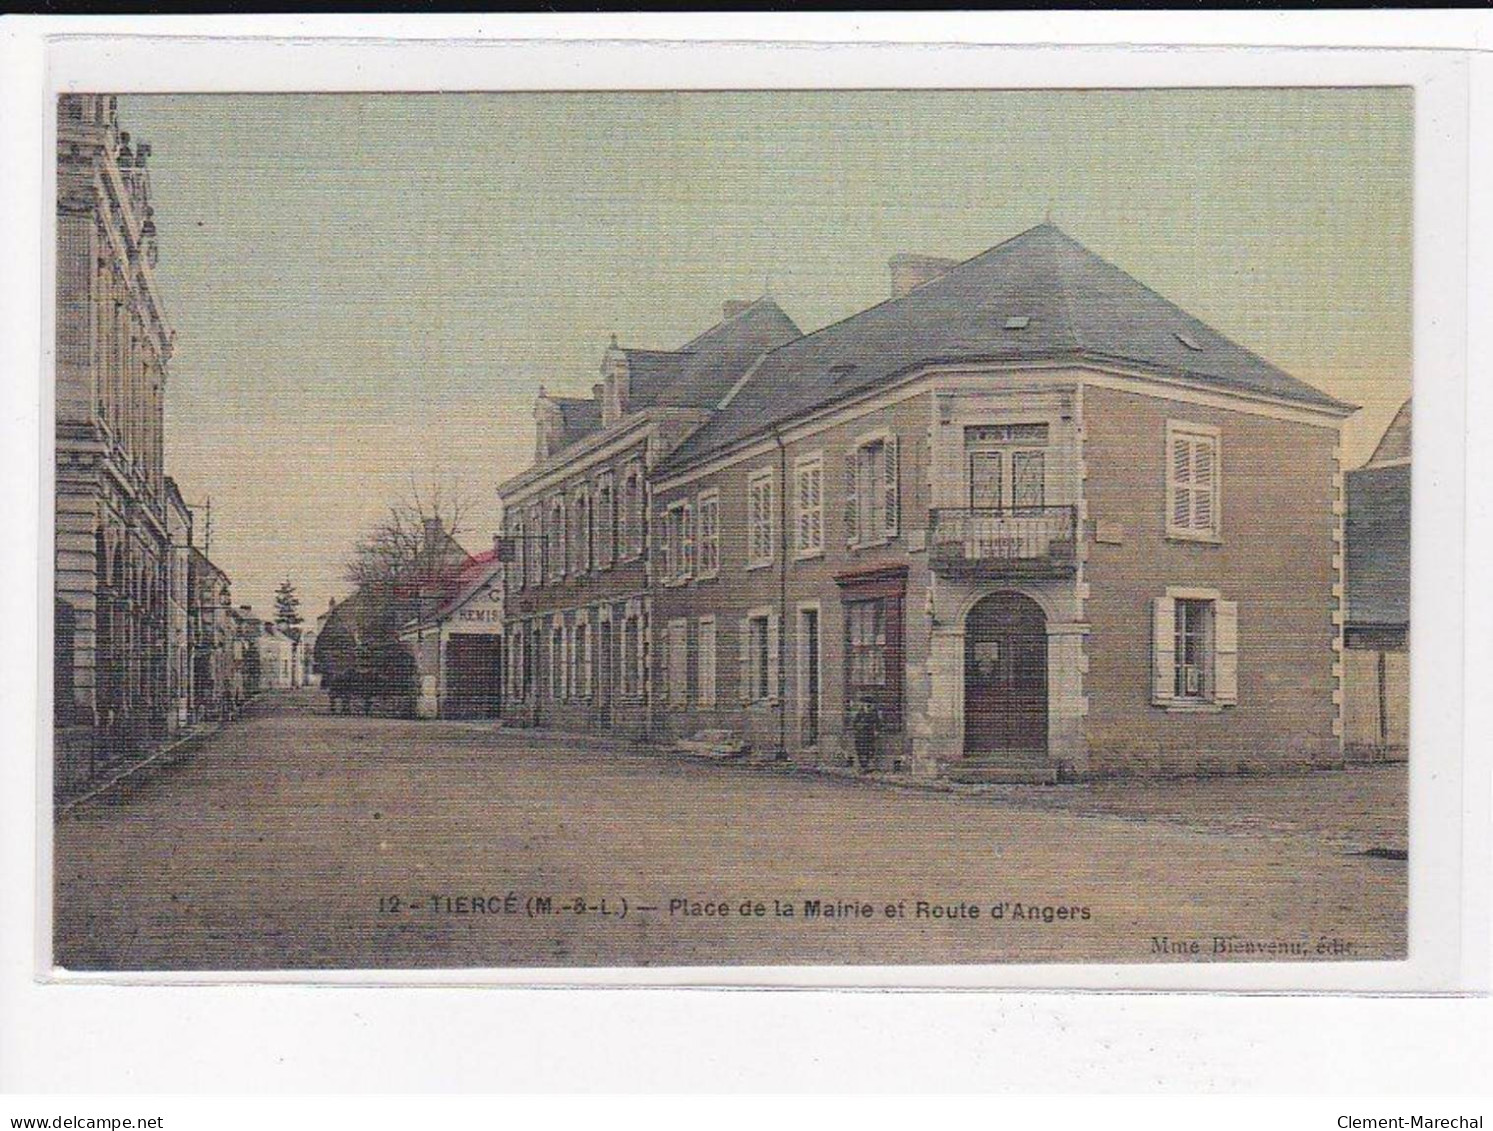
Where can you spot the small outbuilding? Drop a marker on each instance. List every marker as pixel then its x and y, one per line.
pixel 458 648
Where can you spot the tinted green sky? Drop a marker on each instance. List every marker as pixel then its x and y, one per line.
pixel 369 287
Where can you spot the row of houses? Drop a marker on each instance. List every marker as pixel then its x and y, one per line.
pixel 147 640
pixel 141 647
pixel 1025 519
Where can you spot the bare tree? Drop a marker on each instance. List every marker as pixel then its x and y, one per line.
pixel 402 545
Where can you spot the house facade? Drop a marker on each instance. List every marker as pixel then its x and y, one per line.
pixel 1376 656
pixel 1027 515
pixel 211 637
pixel 277 657
pixel 577 609
pixel 458 648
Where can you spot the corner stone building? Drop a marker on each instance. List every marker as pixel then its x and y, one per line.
pixel 1028 515
pixel 112 691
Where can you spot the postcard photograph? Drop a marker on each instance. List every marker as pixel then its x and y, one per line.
pixel 538 530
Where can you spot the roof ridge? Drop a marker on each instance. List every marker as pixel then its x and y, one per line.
pixel 1060 275
pixel 1191 318
pixel 740 314
pixel 681 352
pixel 890 299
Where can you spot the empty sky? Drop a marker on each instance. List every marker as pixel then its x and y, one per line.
pixel 367 288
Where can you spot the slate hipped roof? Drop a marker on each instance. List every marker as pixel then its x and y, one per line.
pixel 1039 295
pixel 695 376
pixel 582 416
pixel 702 371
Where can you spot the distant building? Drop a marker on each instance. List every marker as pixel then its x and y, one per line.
pixel 458 647
pixel 1376 658
pixel 211 630
pixel 178 606
pixel 277 658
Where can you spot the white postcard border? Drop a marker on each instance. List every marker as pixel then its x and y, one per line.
pixel 1441 958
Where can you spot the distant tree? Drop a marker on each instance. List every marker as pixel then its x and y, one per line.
pixel 411 540
pixel 401 569
pixel 288 610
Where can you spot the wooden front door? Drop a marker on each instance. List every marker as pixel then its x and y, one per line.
pixel 1005 676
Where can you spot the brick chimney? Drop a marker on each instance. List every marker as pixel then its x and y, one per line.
pixel 733 306
pixel 911 271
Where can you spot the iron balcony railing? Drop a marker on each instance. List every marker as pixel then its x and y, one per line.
pixel 988 541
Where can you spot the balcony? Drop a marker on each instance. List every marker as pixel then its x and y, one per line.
pixel 983 543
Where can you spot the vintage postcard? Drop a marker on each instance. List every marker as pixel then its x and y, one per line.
pixel 538 530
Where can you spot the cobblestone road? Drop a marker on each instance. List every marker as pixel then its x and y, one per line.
pixel 296 839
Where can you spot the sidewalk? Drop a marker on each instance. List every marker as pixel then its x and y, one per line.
pixel 159 757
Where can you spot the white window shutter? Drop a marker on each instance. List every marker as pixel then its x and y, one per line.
pixel 746 661
pixel 1164 650
pixel 1180 480
pixel 1226 652
pixel 816 511
pixel 893 484
pixel 1202 485
pixel 772 655
pixel 689 540
pixel 852 511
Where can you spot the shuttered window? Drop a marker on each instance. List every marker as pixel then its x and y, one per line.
pixel 808 506
pixel 632 513
pixel 520 554
pixel 604 522
pixel 710 535
pixel 678 662
pixel 1192 481
pixel 760 532
pixel 705 663
pixel 632 653
pixel 536 545
pixel 556 546
pixel 1195 649
pixel 759 657
pixel 582 649
pixel 873 504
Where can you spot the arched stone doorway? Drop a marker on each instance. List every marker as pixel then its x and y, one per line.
pixel 1005 676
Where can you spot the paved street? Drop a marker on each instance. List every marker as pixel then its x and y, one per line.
pixel 296 839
